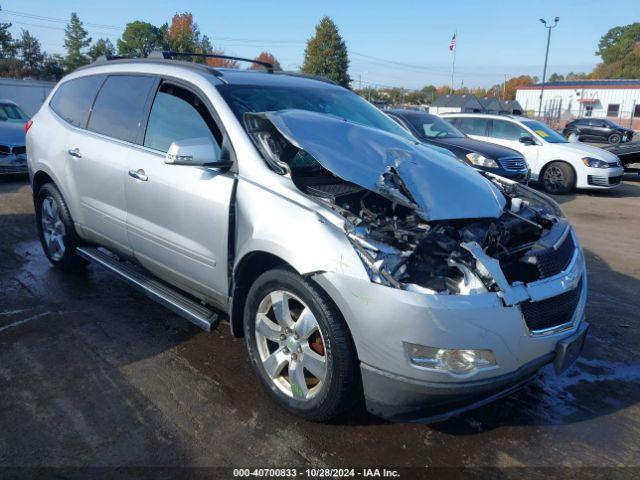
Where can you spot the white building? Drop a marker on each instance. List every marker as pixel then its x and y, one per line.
pixel 618 100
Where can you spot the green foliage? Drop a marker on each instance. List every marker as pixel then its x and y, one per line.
pixel 620 52
pixel 7 45
pixel 326 54
pixel 139 39
pixel 101 47
pixel 556 77
pixel 76 40
pixel 30 54
pixel 52 68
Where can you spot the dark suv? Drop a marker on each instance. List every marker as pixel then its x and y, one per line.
pixel 598 130
pixel 485 156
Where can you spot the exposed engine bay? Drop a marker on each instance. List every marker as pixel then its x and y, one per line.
pixel 403 248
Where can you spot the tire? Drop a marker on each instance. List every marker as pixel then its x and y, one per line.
pixel 614 138
pixel 558 178
pixel 329 388
pixel 56 230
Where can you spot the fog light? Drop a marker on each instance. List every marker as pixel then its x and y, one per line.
pixel 454 361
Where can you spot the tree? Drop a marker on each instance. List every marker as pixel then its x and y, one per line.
pixel 184 34
pixel 76 39
pixel 30 54
pixel 221 62
pixel 576 76
pixel 7 45
pixel 265 57
pixel 326 54
pixel 52 67
pixel 556 77
pixel 619 49
pixel 513 83
pixel 139 39
pixel 103 46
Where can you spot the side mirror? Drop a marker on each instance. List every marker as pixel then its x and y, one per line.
pixel 527 140
pixel 196 152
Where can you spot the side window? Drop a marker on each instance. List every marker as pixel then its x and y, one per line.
pixel 73 99
pixel 473 126
pixel 178 114
pixel 119 107
pixel 508 130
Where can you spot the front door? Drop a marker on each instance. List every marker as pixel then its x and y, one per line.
pixel 178 216
pixel 508 134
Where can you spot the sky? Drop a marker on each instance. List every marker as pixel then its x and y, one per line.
pixel 391 43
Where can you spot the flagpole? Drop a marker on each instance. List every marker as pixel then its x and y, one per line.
pixel 453 64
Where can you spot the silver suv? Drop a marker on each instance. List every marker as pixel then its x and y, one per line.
pixel 353 260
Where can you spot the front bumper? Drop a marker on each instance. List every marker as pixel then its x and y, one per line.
pixel 382 318
pixel 13 164
pixel 601 178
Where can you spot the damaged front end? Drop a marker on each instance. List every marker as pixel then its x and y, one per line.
pixel 419 221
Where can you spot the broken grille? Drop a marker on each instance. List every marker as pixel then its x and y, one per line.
pixel 551 262
pixel 551 312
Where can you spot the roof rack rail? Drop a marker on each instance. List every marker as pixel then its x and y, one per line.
pixel 169 55
pixel 105 58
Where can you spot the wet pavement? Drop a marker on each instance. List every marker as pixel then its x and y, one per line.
pixel 94 374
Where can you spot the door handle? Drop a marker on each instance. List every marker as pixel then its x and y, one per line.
pixel 74 152
pixel 138 175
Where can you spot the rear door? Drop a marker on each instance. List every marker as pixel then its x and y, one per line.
pixel 475 127
pixel 178 216
pixel 98 156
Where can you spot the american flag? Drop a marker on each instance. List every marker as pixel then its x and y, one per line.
pixel 452 45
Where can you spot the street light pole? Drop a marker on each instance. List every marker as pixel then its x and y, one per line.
pixel 546 57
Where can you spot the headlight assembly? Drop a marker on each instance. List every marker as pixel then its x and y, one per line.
pixel 594 162
pixel 481 161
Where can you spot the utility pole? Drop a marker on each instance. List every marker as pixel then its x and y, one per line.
pixel 546 58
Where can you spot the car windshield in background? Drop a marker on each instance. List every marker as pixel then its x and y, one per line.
pixel 430 126
pixel 12 113
pixel 544 132
pixel 333 101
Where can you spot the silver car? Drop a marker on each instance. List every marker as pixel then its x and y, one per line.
pixel 13 156
pixel 353 260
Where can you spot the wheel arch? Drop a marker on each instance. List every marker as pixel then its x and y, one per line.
pixel 557 160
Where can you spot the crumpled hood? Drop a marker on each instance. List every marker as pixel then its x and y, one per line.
pixel 436 185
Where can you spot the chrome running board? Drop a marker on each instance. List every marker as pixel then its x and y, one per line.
pixel 175 301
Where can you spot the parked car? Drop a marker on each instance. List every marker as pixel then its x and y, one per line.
pixel 486 156
pixel 352 259
pixel 13 156
pixel 598 130
pixel 559 165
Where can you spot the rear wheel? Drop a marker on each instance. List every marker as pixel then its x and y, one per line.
pixel 558 178
pixel 614 138
pixel 300 346
pixel 56 230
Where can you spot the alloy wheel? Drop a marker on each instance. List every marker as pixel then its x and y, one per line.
pixel 52 228
pixel 290 345
pixel 553 179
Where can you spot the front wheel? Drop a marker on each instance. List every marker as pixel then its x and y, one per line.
pixel 558 178
pixel 614 138
pixel 56 230
pixel 300 346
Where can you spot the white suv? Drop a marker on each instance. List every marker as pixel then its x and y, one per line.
pixel 557 164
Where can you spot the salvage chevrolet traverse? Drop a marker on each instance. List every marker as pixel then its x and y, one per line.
pixel 353 260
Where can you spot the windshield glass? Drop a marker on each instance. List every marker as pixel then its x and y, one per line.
pixel 544 132
pixel 12 113
pixel 430 126
pixel 334 101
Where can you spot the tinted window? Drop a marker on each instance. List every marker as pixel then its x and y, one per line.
pixel 73 100
pixel 508 130
pixel 473 126
pixel 430 126
pixel 544 132
pixel 178 114
pixel 12 113
pixel 119 106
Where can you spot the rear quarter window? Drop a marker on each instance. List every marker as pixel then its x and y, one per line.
pixel 473 126
pixel 119 107
pixel 73 99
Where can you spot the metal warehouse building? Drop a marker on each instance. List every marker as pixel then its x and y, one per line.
pixel 618 100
